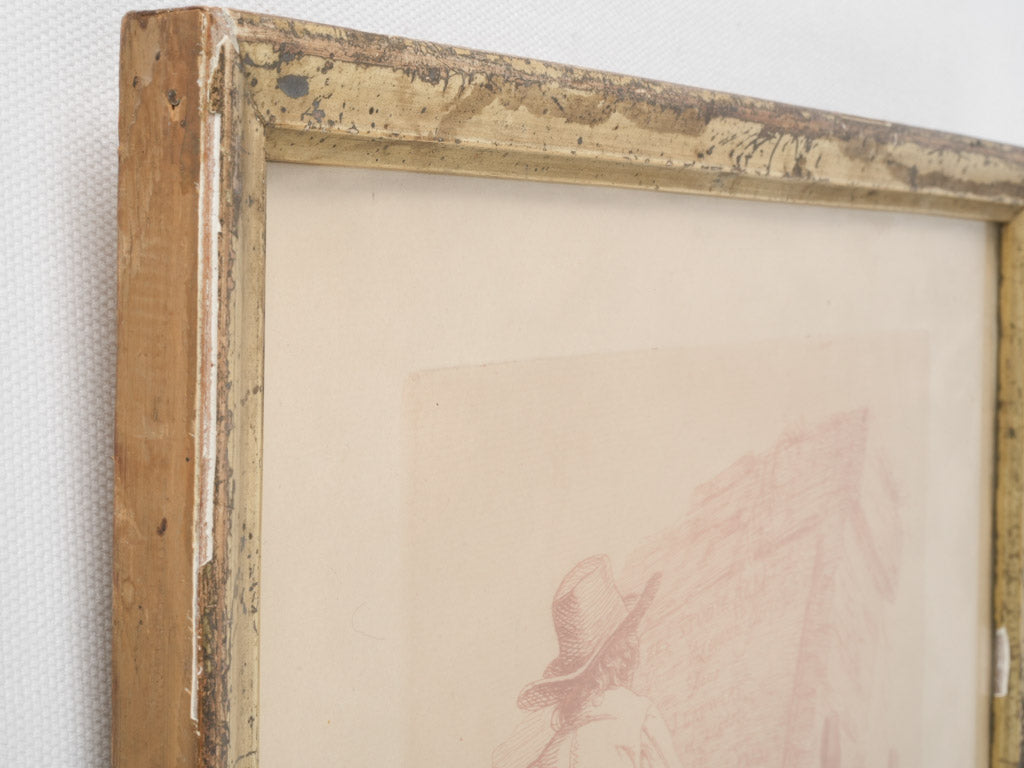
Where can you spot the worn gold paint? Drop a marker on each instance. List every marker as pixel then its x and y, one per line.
pixel 1008 587
pixel 369 86
pixel 188 433
pixel 231 90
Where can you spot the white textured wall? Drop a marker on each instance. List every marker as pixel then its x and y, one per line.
pixel 956 66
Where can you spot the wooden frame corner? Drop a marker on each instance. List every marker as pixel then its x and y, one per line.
pixel 209 96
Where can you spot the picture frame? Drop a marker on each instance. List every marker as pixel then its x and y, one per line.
pixel 210 96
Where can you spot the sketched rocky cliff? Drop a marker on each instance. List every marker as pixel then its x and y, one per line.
pixel 764 646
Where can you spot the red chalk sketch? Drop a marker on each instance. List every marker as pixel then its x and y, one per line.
pixel 597 718
pixel 762 643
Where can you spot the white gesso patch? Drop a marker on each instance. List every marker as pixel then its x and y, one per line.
pixel 207 339
pixel 1001 663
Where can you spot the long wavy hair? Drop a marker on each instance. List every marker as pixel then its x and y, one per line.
pixel 615 667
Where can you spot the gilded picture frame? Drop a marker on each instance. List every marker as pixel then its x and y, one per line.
pixel 210 96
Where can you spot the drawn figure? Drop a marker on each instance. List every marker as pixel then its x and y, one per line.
pixel 598 721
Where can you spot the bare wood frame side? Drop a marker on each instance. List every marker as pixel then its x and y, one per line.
pixel 209 96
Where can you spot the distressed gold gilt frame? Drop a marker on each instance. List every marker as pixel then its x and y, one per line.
pixel 208 97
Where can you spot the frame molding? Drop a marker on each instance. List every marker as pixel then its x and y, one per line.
pixel 209 96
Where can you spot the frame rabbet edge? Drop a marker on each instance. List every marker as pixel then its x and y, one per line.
pixel 209 96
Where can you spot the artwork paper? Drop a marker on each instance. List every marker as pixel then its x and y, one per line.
pixel 501 416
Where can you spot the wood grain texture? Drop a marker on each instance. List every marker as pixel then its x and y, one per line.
pixel 189 397
pixel 208 96
pixel 1008 589
pixel 155 449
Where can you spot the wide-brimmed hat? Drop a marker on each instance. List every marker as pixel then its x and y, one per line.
pixel 589 612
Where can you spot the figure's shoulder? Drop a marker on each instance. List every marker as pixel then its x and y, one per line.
pixel 623 703
pixel 557 753
pixel 613 734
pixel 607 732
pixel 619 712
